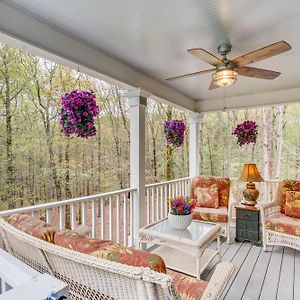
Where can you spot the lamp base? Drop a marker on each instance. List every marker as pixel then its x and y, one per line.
pixel 250 194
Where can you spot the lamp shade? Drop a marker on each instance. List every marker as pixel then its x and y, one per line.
pixel 250 174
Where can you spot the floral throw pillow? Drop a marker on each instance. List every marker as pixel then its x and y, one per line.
pixel 292 205
pixel 207 197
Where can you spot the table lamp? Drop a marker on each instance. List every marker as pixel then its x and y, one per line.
pixel 250 174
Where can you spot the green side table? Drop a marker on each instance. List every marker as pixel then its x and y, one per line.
pixel 248 224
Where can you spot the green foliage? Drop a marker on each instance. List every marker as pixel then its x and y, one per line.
pixel 47 166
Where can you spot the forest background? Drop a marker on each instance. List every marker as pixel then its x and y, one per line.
pixel 38 164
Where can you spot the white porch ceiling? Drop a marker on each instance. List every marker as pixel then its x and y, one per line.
pixel 151 38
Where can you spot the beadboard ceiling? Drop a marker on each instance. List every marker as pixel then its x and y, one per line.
pixel 152 37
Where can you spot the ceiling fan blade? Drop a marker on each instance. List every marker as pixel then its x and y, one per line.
pixel 213 86
pixel 262 53
pixel 205 56
pixel 257 73
pixel 191 74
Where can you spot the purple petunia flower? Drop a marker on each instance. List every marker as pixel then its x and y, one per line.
pixel 246 132
pixel 78 110
pixel 174 131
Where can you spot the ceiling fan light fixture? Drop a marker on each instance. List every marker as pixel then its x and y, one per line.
pixel 225 77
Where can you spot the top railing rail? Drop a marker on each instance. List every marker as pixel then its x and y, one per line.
pixel 167 182
pixel 63 202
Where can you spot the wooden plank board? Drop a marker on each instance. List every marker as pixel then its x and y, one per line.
pixel 269 290
pixel 237 261
pixel 213 263
pixel 286 281
pixel 237 288
pixel 228 256
pixel 297 276
pixel 256 280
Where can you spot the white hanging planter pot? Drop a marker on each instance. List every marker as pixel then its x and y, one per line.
pixel 180 222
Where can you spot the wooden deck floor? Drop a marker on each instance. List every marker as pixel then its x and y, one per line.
pixel 272 275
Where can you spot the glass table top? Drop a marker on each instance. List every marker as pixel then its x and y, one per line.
pixel 194 232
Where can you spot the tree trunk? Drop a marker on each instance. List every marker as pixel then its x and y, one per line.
pixel 67 170
pixel 266 115
pixel 169 150
pixel 210 153
pixel 278 146
pixel 98 184
pixel 10 176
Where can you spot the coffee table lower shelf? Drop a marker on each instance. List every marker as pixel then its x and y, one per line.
pixel 180 261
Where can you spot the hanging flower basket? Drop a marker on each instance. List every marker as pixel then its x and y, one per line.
pixel 78 110
pixel 246 132
pixel 174 131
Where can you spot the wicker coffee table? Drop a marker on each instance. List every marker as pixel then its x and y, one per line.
pixel 185 251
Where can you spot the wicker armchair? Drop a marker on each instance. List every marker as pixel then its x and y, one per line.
pixel 278 228
pixel 93 278
pixel 221 215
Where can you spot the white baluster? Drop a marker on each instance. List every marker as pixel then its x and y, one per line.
pixel 110 219
pixel 118 218
pixel 62 217
pixel 166 199
pixel 152 205
pixel 157 203
pixel 94 216
pixel 73 216
pixel 131 218
pixel 148 205
pixel 83 212
pixel 49 216
pixel 35 213
pixel 125 219
pixel 161 202
pixel 102 207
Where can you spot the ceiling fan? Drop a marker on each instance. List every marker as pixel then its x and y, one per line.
pixel 226 71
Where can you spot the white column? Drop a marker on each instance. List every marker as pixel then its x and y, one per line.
pixel 138 103
pixel 194 154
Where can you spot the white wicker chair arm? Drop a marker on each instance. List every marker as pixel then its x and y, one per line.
pixel 267 205
pixel 268 209
pixel 218 281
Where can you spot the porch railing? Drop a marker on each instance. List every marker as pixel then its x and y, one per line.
pixel 109 215
pixel 157 195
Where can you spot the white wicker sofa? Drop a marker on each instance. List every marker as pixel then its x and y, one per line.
pixel 94 278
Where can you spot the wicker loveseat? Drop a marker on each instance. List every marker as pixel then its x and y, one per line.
pixel 280 226
pixel 222 213
pixel 92 277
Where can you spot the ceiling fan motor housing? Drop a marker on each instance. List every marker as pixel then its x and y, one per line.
pixel 224 49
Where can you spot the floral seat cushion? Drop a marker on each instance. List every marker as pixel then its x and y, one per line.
pixel 207 197
pixel 292 205
pixel 288 185
pixel 219 214
pixel 223 185
pixel 109 250
pixel 284 224
pixel 33 226
pixel 187 287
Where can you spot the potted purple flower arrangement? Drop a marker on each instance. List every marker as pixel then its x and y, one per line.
pixel 246 132
pixel 78 110
pixel 180 213
pixel 174 131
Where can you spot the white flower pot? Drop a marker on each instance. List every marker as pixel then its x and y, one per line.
pixel 180 222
